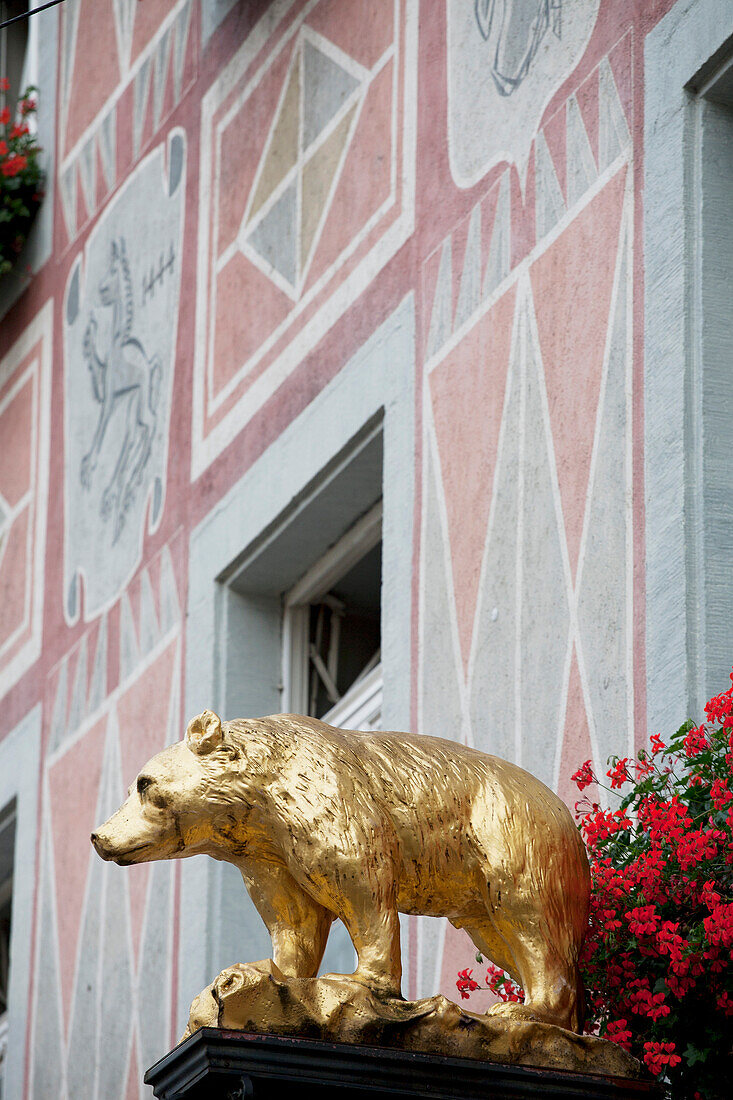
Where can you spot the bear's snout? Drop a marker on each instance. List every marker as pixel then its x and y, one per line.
pixel 101 846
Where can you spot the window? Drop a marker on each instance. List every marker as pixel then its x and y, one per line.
pixel 332 632
pixel 7 856
pixel 14 49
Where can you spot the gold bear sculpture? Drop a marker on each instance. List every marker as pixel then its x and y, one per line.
pixel 324 823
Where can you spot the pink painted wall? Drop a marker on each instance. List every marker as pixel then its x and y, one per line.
pixel 257 200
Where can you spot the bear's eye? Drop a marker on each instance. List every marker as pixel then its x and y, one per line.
pixel 143 783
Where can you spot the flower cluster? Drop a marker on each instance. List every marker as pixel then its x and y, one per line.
pixel 657 962
pixel 21 179
pixel 497 980
pixel 658 958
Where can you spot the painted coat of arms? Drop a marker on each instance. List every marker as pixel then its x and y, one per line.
pixel 120 328
pixel 506 59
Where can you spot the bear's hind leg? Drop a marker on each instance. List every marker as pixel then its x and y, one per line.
pixel 549 980
pixel 375 933
pixel 494 949
pixel 371 919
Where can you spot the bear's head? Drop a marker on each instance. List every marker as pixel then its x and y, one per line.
pixel 178 800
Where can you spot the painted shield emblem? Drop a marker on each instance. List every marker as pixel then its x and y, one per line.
pixel 120 326
pixel 506 59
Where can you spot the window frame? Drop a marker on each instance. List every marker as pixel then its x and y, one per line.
pixel 318 579
pixel 686 624
pixel 20 762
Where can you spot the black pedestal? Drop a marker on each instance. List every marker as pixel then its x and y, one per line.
pixel 232 1065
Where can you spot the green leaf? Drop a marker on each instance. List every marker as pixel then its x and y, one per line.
pixel 692 1055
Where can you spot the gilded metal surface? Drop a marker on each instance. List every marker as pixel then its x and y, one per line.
pixel 324 823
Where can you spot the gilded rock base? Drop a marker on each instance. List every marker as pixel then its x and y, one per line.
pixel 257 997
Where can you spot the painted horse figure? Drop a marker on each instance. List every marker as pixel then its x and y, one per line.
pixel 122 375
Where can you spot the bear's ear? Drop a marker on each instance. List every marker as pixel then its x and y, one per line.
pixel 204 733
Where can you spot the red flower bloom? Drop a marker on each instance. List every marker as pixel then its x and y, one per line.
pixel 465 983
pixel 584 776
pixel 619 773
pixel 617 1031
pixel 5 116
pixel 696 741
pixel 13 165
pixel 658 744
pixel 659 1055
pixel 4 84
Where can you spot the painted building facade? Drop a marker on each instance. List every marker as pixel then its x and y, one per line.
pixel 394 332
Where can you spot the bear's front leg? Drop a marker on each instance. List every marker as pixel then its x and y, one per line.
pixel 298 925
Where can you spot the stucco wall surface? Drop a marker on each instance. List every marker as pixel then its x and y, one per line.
pixel 275 233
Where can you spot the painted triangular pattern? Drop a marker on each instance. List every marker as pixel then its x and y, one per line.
pixel 492 687
pixel 155 965
pixel 326 87
pixel 469 296
pixel 129 650
pixel 430 941
pixel 498 264
pixel 78 708
pixel 143 716
pixel 124 11
pixel 98 685
pixel 613 128
pixel 174 732
pixel 602 611
pixel 182 23
pixel 140 103
pixel 116 991
pixel 549 201
pixel 67 180
pixel 160 74
pixel 60 704
pixel 572 304
pixel 83 1016
pixel 467 391
pixel 275 237
pixel 149 629
pixel 134 1076
pixel 318 176
pixel 79 770
pixel 581 163
pixel 170 608
pixel 46 1052
pixel 576 746
pixel 70 26
pixel 143 712
pixel 88 174
pixel 440 699
pixel 440 319
pixel 107 139
pixel 545 610
pixel 281 154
